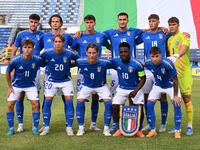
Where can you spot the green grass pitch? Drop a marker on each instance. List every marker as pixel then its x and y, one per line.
pixel 57 138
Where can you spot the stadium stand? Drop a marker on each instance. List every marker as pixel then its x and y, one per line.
pixel 15 14
pixel 67 9
pixel 4 36
pixel 195 56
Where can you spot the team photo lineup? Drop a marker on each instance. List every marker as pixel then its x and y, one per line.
pixel 140 84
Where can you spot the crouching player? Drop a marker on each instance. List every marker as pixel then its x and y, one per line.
pixel 131 77
pixel 166 81
pixel 94 80
pixel 26 66
pixel 59 61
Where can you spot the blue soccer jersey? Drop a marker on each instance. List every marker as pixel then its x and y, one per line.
pixel 82 43
pixel 158 39
pixel 128 73
pixel 94 75
pixel 59 64
pixel 116 37
pixel 48 40
pixel 25 71
pixel 163 73
pixel 36 37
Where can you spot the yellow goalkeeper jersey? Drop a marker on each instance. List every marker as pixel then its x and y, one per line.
pixel 174 44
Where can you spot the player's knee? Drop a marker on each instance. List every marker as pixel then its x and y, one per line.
pixel 115 110
pixel 35 106
pixel 11 106
pixel 186 98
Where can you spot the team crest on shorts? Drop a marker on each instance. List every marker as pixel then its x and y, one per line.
pixel 129 119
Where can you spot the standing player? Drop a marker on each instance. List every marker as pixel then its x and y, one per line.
pixel 33 34
pixel 80 44
pixel 55 23
pixel 154 37
pixel 59 61
pixel 179 48
pixel 164 73
pixel 94 80
pixel 117 36
pixel 26 66
pixel 131 77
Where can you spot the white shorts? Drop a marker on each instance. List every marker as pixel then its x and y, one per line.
pixel 31 93
pixel 121 95
pixel 156 92
pixel 59 91
pixel 85 92
pixel 51 88
pixel 113 81
pixel 79 80
pixel 149 82
pixel 38 81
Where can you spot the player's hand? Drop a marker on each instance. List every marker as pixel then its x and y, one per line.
pixel 78 34
pixel 165 30
pixel 177 101
pixel 132 94
pixel 10 90
pixel 186 35
pixel 174 57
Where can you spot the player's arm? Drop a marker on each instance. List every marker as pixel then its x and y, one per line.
pixel 78 34
pixel 140 85
pixel 8 77
pixel 176 98
pixel 182 51
pixel 14 51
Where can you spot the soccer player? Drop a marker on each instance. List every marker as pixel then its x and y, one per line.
pixel 179 48
pixel 26 66
pixel 55 23
pixel 131 77
pixel 154 37
pixel 117 36
pixel 94 80
pixel 35 35
pixel 80 44
pixel 166 81
pixel 59 61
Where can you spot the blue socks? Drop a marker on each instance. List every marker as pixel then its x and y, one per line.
pixel 151 118
pixel 107 113
pixel 177 116
pixel 10 119
pixel 164 112
pixel 36 119
pixel 69 112
pixel 20 110
pixel 46 112
pixel 94 110
pixel 80 112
